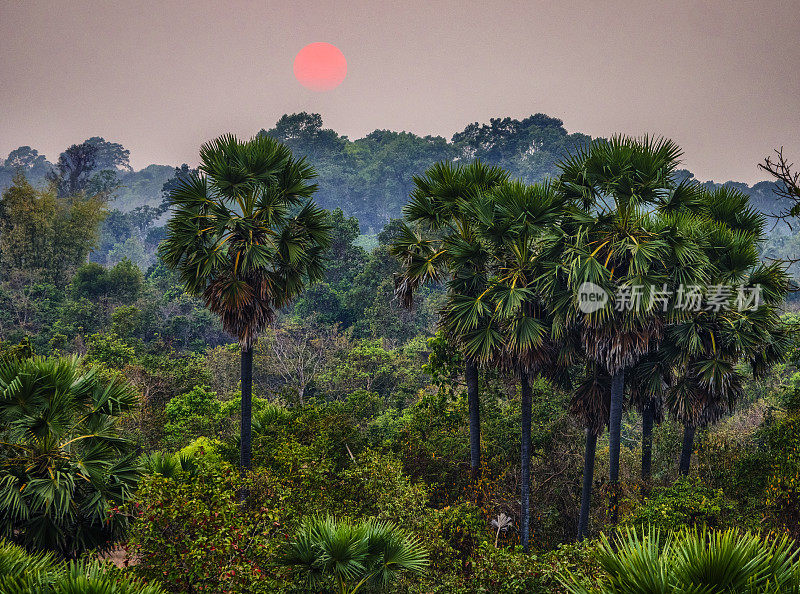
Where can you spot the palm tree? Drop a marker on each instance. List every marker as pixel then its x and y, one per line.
pixel 439 243
pixel 509 323
pixel 590 403
pixel 372 553
pixel 620 243
pixel 708 347
pixel 246 238
pixel 63 462
pixel 649 380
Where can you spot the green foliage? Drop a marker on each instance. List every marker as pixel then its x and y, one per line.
pixel 24 573
pixel 194 535
pixel 122 283
pixel 44 236
pixel 462 528
pixel 508 571
pixel 782 489
pixel 125 319
pixel 193 414
pixel 367 366
pixel 694 561
pixel 687 502
pixel 351 555
pixel 110 350
pixel 63 463
pixel 209 450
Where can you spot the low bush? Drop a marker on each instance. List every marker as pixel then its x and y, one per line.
pixel 194 535
pixel 687 502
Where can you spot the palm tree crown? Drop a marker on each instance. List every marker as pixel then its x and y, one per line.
pixel 244 234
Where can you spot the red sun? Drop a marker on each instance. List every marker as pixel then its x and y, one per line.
pixel 320 66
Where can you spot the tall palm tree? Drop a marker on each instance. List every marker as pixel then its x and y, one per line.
pixel 63 462
pixel 620 244
pixel 246 237
pixel 438 243
pixel 709 345
pixel 509 323
pixel 648 381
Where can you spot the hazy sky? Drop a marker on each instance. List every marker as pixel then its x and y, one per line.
pixel 720 77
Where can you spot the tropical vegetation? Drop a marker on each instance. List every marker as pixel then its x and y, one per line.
pixel 584 383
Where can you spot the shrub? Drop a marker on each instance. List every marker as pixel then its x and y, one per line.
pixel 196 536
pixel 782 497
pixel 687 502
pixel 509 571
pixel 205 448
pixel 190 415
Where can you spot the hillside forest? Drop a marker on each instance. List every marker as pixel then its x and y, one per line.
pixel 317 364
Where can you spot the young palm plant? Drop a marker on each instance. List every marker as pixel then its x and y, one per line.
pixel 63 463
pixel 246 237
pixel 439 243
pixel 354 556
pixel 692 562
pixel 23 573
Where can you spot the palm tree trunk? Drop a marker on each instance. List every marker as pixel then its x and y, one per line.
pixel 473 401
pixel 614 431
pixel 247 408
pixel 686 449
pixel 588 479
pixel 525 461
pixel 647 440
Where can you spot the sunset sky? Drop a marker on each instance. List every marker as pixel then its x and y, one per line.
pixel 722 77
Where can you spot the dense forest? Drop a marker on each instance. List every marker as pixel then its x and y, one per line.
pixel 314 364
pixel 369 178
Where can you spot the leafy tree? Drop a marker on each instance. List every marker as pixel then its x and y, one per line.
pixel 63 463
pixel 25 160
pixel 74 169
pixel 43 236
pixel 529 148
pixel 109 155
pixel 365 366
pixel 245 236
pixel 301 353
